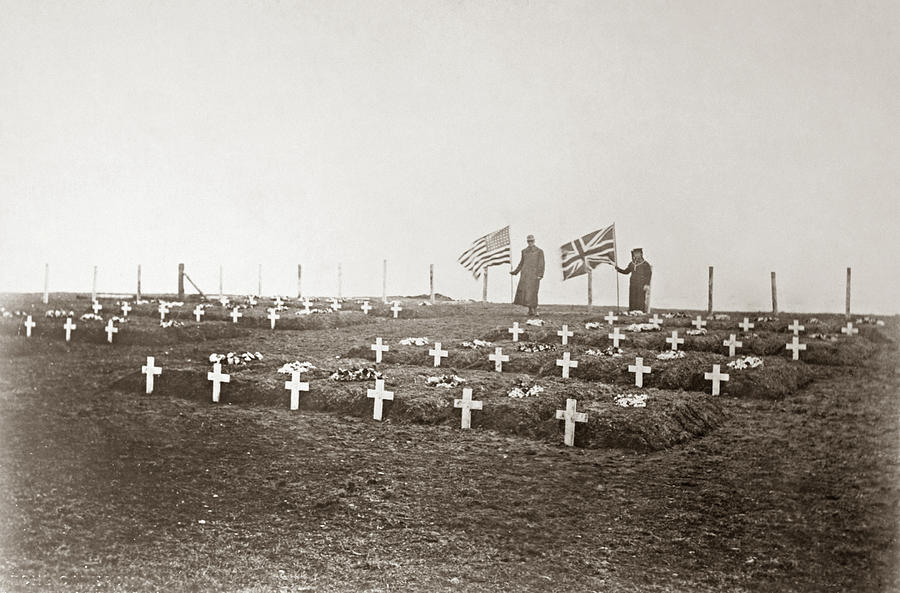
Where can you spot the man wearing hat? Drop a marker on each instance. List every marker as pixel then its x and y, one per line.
pixel 532 267
pixel 639 289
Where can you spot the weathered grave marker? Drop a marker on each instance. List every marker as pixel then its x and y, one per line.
pixel 163 311
pixel 655 320
pixel 746 325
pixel 379 395
pixel 796 327
pixel 698 323
pixel 499 358
pixel 110 330
pixel 273 316
pixel 639 371
pixel 396 308
pixel 217 378
pixel 198 312
pixel 366 307
pixel 571 417
pixel 611 318
pixel 849 330
pixel 565 334
pixel 674 341
pixel 438 354
pixel 97 307
pixel 467 404
pixel 378 347
pixel 716 377
pixel 615 337
pixel 278 302
pixel 296 386
pixel 795 347
pixel 28 325
pixel 69 326
pixel 732 343
pixel 515 330
pixel 150 370
pixel 335 305
pixel 566 363
pixel 125 309
pixel 235 315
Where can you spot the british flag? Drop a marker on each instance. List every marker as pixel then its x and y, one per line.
pixel 590 250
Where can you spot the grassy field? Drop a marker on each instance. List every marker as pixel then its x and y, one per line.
pixel 789 481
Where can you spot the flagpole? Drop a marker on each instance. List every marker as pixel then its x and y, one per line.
pixel 616 252
pixel 511 298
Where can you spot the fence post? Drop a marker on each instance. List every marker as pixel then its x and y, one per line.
pixel 590 279
pixel 180 282
pixel 431 281
pixel 847 310
pixel 484 288
pixel 774 295
pixel 709 308
pixel 138 293
pixel 46 283
pixel 299 278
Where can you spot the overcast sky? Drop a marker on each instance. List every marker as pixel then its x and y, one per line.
pixel 751 136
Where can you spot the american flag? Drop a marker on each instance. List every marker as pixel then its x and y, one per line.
pixel 490 250
pixel 591 250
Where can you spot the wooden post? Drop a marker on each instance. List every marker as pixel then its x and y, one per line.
pixel 847 309
pixel 484 289
pixel 94 286
pixel 774 295
pixel 709 307
pixel 299 278
pixel 340 280
pixel 384 282
pixel 648 298
pixel 259 281
pixel 180 282
pixel 590 279
pixel 46 283
pixel 221 274
pixel 431 281
pixel 137 295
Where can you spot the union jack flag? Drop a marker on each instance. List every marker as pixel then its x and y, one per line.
pixel 490 250
pixel 591 250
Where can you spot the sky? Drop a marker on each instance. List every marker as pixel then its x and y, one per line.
pixel 748 136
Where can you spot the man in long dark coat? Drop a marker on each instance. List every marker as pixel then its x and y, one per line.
pixel 532 268
pixel 639 290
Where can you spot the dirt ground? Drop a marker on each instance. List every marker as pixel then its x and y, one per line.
pixel 107 489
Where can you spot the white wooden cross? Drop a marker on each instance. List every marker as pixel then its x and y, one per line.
pixel 746 325
pixel 396 308
pixel 125 309
pixel 615 337
pixel 467 404
pixel 571 417
pixel 796 327
pixel 438 354
pixel 732 343
pixel 366 307
pixel 110 330
pixel 150 370
pixel 278 301
pixel 28 325
pixel 675 340
pixel 565 334
pixel 515 330
pixel 698 323
pixel 236 314
pixel 251 300
pixel 97 307
pixel 69 326
pixel 716 377
pixel 566 363
pixel 335 305
pixel 379 395
pixel 273 316
pixel 217 377
pixel 378 347
pixel 306 305
pixel 849 330
pixel 655 320
pixel 198 312
pixel 296 386
pixel 639 370
pixel 499 358
pixel 224 301
pixel 795 346
pixel 611 318
pixel 163 311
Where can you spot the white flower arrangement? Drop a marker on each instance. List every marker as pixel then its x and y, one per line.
pixel 697 332
pixel 476 344
pixel 233 358
pixel 670 355
pixel 825 337
pixel 414 342
pixel 117 319
pixel 632 400
pixel 445 381
pixel 869 321
pixel 766 319
pixel 141 302
pixel 721 317
pixel 642 327
pixel 525 388
pixel 171 304
pixel 608 351
pixel 91 317
pixel 592 325
pixel 535 322
pixel 634 313
pixel 745 362
pixel 50 313
pixel 300 367
pixel 535 347
pixel 358 374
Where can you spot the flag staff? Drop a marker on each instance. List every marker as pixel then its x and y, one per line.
pixel 511 297
pixel 616 253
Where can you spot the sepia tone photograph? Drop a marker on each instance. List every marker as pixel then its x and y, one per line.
pixel 373 296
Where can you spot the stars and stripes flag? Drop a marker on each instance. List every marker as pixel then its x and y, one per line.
pixel 590 250
pixel 490 250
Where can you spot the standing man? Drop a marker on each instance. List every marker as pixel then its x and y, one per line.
pixel 532 267
pixel 639 289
